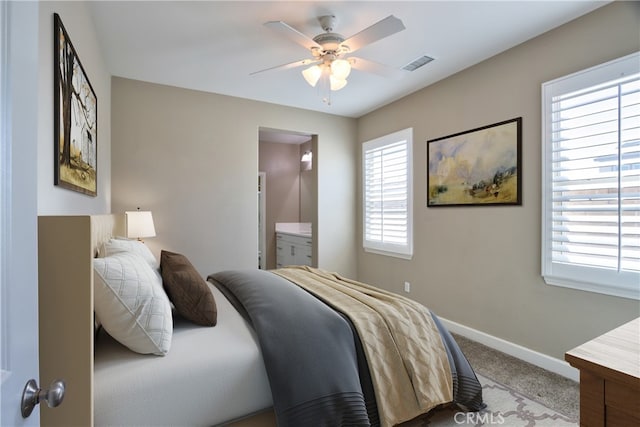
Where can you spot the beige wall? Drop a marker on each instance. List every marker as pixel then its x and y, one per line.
pixel 480 266
pixel 53 200
pixel 192 158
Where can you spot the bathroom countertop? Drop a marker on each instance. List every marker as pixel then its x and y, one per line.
pixel 295 228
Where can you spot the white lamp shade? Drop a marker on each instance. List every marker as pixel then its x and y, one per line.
pixel 336 83
pixel 312 75
pixel 139 224
pixel 340 69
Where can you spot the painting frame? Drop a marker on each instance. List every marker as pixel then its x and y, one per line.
pixel 477 167
pixel 75 118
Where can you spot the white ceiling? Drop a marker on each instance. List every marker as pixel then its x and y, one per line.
pixel 213 46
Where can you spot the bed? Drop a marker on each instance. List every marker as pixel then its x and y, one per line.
pixel 213 366
pixel 309 345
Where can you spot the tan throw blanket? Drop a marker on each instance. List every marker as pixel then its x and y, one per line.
pixel 406 356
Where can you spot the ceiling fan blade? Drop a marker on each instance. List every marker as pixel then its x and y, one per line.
pixel 376 68
pixel 381 29
pixel 292 34
pixel 287 66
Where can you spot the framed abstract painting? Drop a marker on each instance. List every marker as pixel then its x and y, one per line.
pixel 478 167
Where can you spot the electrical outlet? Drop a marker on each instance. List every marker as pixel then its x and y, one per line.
pixel 407 287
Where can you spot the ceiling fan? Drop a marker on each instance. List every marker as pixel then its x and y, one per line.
pixel 331 60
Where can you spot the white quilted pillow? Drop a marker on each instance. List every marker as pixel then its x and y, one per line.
pixel 131 304
pixel 118 245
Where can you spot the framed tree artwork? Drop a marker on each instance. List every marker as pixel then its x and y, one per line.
pixel 75 119
pixel 478 167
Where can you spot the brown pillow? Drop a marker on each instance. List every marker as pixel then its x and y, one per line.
pixel 187 290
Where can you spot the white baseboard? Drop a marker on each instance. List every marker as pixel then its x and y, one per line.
pixel 539 359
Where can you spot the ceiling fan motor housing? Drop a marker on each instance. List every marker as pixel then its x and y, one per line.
pixel 329 41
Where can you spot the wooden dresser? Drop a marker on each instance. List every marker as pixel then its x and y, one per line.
pixel 609 377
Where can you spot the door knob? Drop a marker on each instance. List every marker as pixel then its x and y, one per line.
pixel 32 395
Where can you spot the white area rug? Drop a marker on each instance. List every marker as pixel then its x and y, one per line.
pixel 505 407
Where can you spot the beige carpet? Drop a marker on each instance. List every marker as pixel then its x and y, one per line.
pixel 505 407
pixel 552 390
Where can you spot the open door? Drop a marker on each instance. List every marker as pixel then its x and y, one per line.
pixel 18 214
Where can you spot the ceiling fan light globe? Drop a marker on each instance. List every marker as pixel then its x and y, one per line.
pixel 337 84
pixel 340 69
pixel 312 75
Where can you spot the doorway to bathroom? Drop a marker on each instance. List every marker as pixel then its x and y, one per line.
pixel 287 189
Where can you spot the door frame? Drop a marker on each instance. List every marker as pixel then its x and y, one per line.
pixel 292 137
pixel 262 220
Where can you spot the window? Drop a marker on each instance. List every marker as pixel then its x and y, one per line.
pixel 388 194
pixel 591 179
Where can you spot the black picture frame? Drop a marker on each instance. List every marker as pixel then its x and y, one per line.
pixel 478 167
pixel 75 118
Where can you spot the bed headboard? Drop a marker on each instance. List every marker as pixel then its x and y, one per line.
pixel 104 227
pixel 66 247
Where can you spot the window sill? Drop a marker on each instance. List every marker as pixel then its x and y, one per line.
pixel 387 253
pixel 615 291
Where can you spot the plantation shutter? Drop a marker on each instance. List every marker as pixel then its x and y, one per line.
pixel 593 183
pixel 387 194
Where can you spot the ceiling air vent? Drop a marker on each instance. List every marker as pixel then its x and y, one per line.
pixel 417 63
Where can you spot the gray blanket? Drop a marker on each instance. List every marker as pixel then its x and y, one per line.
pixel 309 351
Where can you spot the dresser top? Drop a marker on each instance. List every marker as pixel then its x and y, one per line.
pixel 615 354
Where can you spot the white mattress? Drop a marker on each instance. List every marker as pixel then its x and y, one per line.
pixel 210 375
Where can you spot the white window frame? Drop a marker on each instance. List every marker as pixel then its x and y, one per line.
pixel 621 283
pixel 404 251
